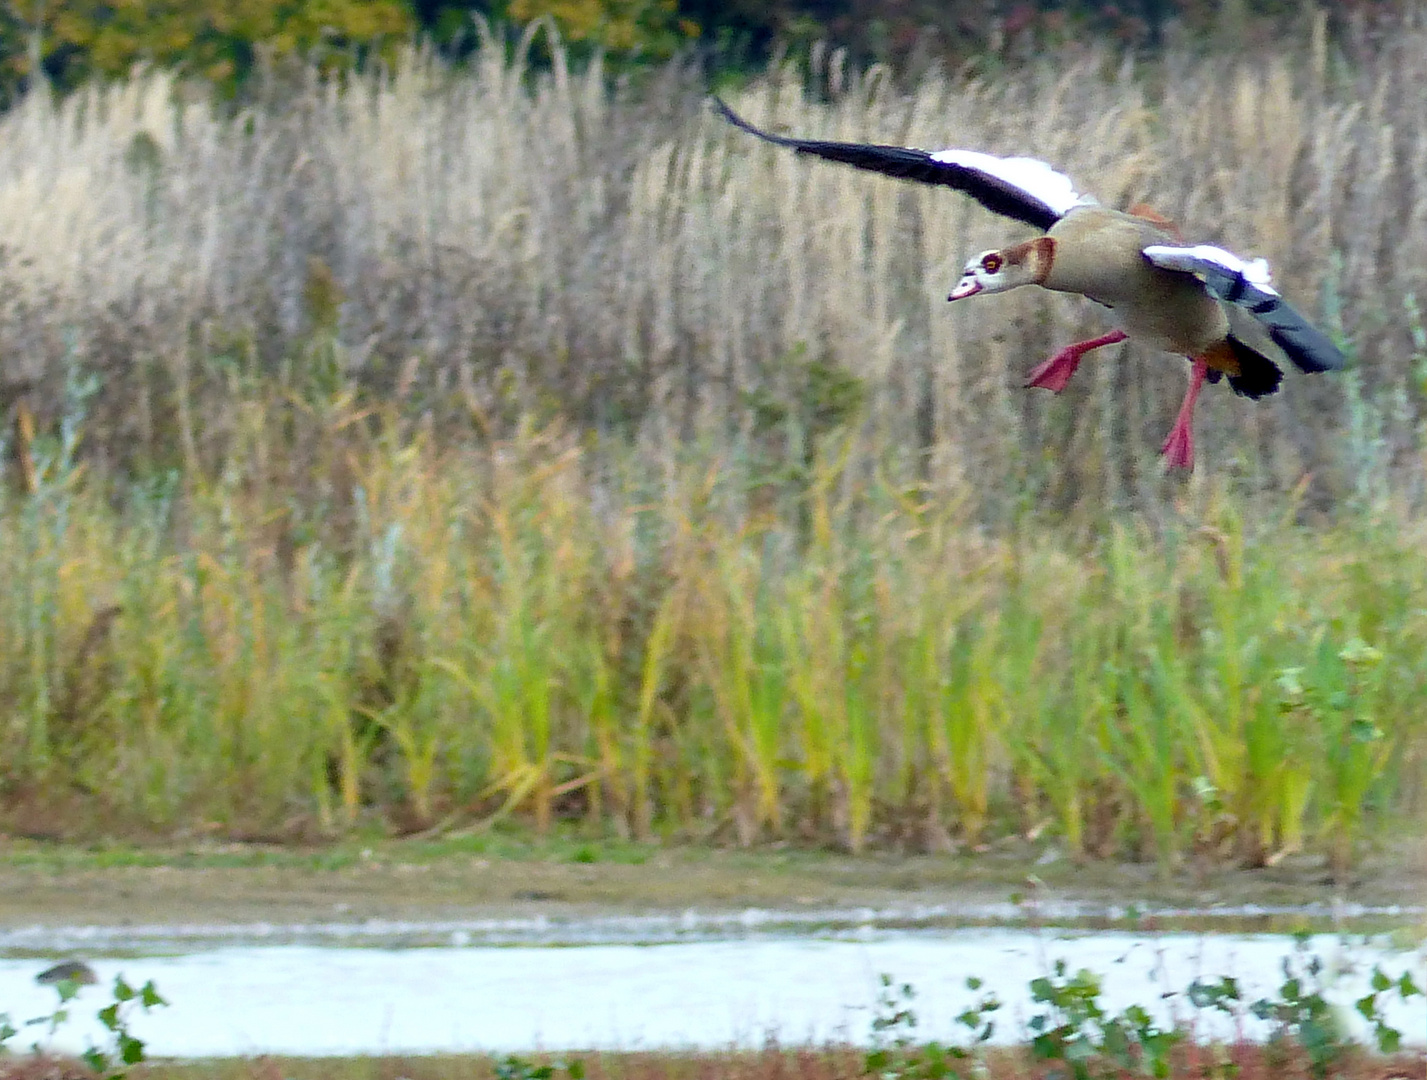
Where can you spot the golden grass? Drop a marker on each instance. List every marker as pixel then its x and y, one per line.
pixel 534 628
pixel 442 446
pixel 507 242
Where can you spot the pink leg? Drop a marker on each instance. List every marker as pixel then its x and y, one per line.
pixel 1055 373
pixel 1179 447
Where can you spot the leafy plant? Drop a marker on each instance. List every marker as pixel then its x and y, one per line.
pixel 127 1048
pixel 897 1055
pixel 1302 1015
pixel 1369 1007
pixel 514 1067
pixel 1084 1041
pixel 112 1061
pixel 1077 1031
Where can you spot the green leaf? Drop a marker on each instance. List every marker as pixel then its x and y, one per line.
pixel 1380 981
pixel 1045 1047
pixel 131 1049
pixel 96 1059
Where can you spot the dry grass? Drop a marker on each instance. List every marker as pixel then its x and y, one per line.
pixel 439 446
pixel 520 244
pixel 1246 1062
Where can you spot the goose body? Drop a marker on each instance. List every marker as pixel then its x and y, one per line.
pixel 1099 253
pixel 1200 301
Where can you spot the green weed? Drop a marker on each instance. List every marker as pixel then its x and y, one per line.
pixel 125 1050
pixel 496 642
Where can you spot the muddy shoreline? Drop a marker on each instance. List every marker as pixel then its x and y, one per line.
pixel 56 885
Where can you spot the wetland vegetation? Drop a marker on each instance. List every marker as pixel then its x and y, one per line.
pixel 428 450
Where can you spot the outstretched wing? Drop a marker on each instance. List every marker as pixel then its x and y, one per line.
pixel 1235 281
pixel 1021 188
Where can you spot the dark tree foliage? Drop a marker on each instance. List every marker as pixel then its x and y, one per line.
pixel 958 29
pixel 744 33
pixel 74 40
pixel 450 23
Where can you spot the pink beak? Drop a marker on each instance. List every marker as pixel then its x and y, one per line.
pixel 967 286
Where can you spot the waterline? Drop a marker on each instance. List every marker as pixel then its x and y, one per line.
pixel 695 926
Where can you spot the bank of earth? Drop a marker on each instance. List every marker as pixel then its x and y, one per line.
pixel 486 876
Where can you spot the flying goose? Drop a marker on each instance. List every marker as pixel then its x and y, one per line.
pixel 1201 301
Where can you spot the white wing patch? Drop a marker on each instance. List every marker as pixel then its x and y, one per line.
pixel 1035 178
pixel 1203 257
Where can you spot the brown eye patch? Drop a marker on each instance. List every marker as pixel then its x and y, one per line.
pixel 992 263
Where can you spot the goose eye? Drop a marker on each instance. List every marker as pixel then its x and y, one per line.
pixel 991 263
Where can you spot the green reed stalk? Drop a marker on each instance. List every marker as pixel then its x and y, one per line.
pixel 474 639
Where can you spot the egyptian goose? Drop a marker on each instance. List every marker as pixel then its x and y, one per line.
pixel 1199 301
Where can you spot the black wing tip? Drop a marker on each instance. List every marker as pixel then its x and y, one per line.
pixel 908 163
pixel 1310 349
pixel 721 107
pixel 1326 354
pixel 1316 363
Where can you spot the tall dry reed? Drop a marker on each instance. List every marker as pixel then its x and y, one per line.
pixel 508 242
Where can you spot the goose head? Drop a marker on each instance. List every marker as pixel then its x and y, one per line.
pixel 1009 268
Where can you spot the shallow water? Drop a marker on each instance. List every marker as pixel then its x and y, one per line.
pixel 306 1000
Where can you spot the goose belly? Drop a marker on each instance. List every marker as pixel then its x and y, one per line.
pixel 1189 326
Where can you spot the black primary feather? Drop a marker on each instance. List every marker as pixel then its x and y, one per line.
pixel 905 163
pixel 1307 346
